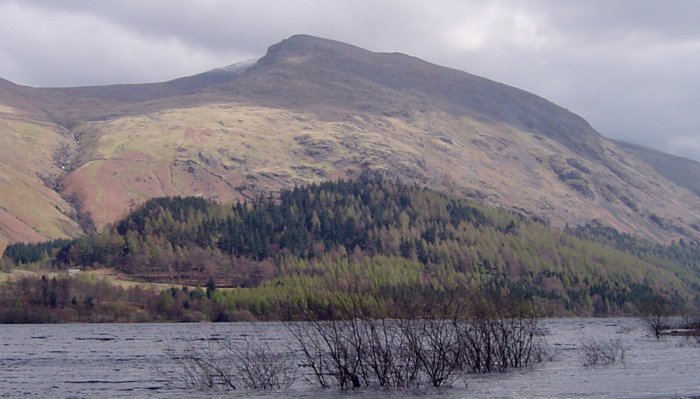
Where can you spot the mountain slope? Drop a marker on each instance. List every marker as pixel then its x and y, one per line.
pixel 30 208
pixel 314 109
pixel 305 73
pixel 681 171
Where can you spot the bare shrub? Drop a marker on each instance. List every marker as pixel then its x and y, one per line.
pixel 497 336
pixel 656 324
pixel 434 348
pixel 223 364
pixel 656 315
pixel 429 342
pixel 344 349
pixel 258 366
pixel 431 333
pixel 311 346
pixel 543 352
pixel 601 352
pixel 404 364
pixel 390 359
pixel 353 348
pixel 361 346
pixel 201 366
pixel 387 357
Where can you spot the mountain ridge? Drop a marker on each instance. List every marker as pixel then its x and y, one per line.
pixel 314 109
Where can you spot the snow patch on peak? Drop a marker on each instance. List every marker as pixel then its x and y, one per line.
pixel 238 67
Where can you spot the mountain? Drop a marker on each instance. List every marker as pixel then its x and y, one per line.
pixel 311 110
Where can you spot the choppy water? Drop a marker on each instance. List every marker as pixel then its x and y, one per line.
pixel 123 360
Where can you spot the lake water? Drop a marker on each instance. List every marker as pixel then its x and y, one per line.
pixel 123 360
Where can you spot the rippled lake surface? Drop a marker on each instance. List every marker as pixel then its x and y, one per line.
pixel 128 360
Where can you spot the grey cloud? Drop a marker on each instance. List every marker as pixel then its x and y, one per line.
pixel 600 18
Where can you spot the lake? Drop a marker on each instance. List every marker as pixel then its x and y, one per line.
pixel 129 360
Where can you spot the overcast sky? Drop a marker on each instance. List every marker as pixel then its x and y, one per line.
pixel 631 68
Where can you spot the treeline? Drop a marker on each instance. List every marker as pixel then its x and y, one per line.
pixel 310 233
pixel 63 299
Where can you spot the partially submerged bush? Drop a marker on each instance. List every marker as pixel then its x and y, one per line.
pixel 258 366
pixel 498 336
pixel 427 340
pixel 601 352
pixel 202 366
pixel 223 364
pixel 418 344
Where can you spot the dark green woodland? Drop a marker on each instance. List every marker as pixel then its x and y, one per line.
pixel 312 243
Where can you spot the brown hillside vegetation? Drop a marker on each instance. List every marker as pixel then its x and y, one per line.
pixel 30 208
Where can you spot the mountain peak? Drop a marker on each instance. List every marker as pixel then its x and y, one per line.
pixel 297 46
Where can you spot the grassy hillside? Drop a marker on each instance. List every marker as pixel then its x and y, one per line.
pixel 233 151
pixel 30 209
